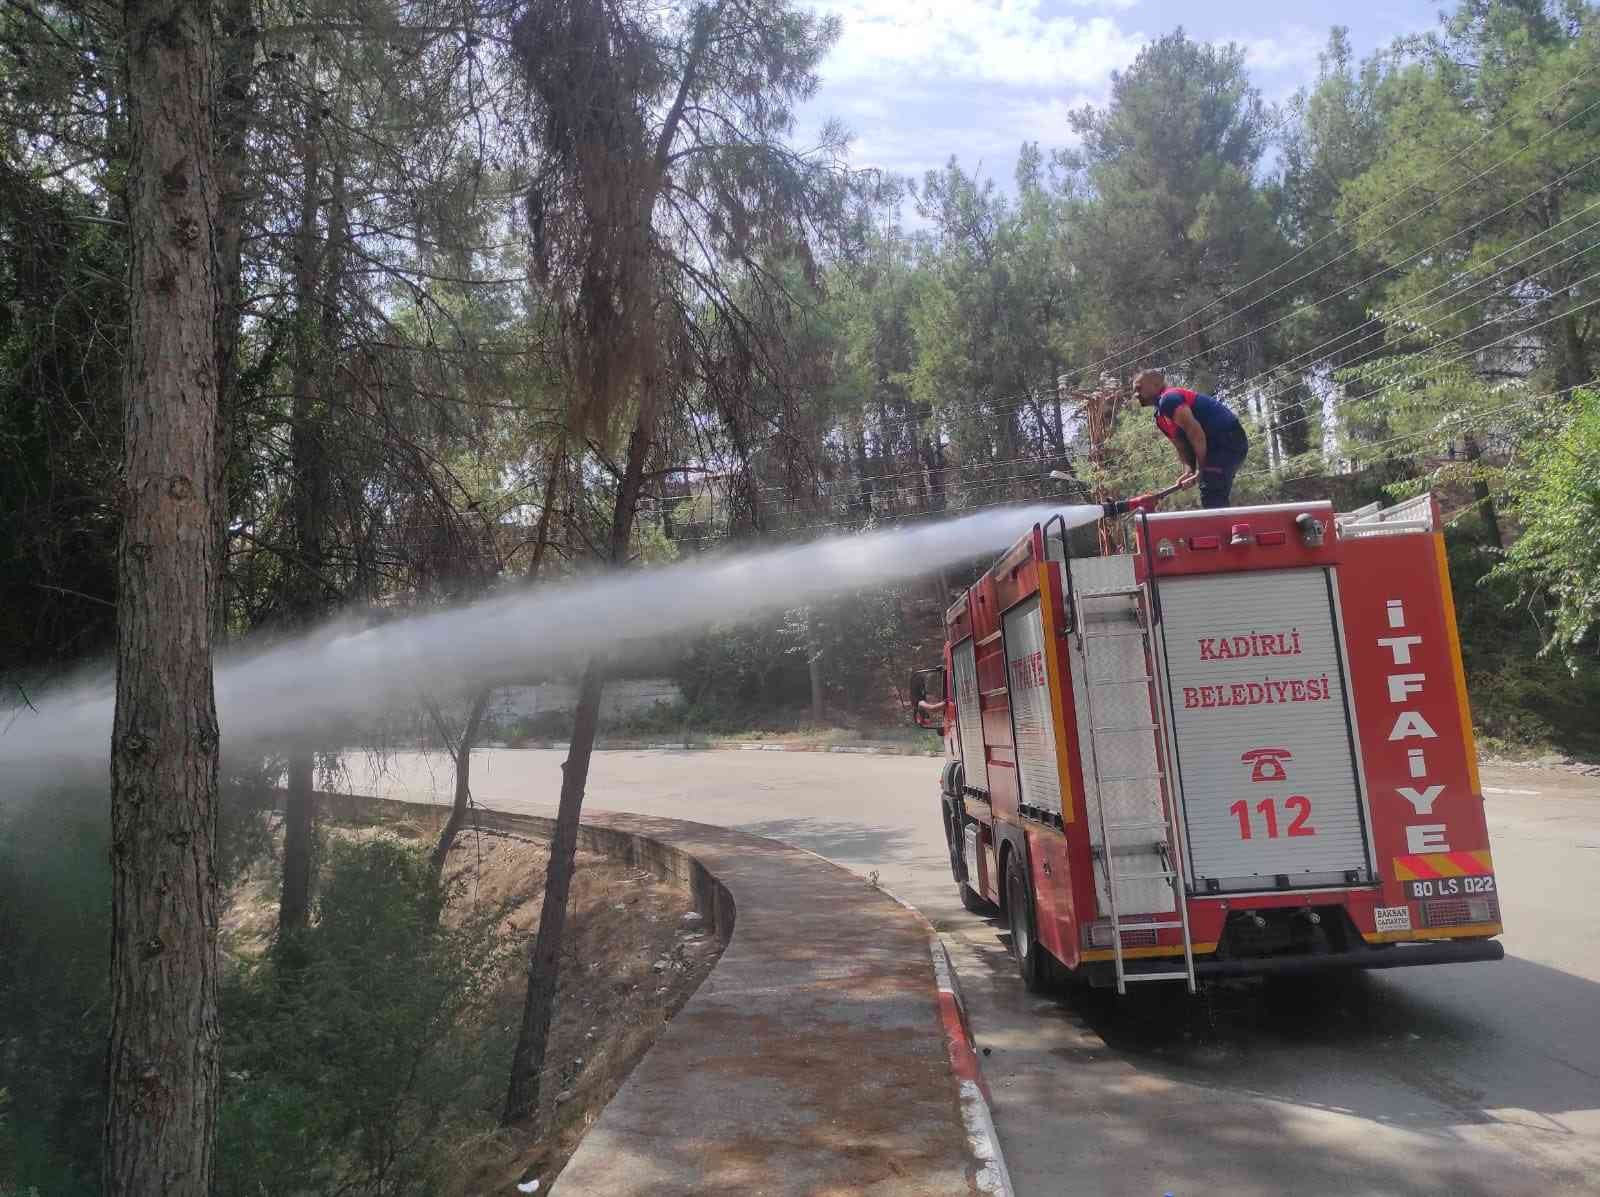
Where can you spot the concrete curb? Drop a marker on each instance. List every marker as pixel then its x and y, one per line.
pixel 686 746
pixel 992 1175
pixel 817 1056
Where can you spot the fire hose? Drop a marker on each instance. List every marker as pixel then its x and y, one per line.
pixel 1116 507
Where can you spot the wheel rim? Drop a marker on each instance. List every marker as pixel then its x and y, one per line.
pixel 1017 904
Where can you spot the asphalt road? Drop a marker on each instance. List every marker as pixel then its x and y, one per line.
pixel 1479 1078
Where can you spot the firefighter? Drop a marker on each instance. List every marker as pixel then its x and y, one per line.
pixel 1208 438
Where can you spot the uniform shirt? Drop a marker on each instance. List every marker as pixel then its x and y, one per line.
pixel 1221 426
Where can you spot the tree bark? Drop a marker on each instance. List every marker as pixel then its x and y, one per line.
pixel 933 459
pixel 1483 499
pixel 162 1061
pixel 309 484
pixel 299 812
pixel 1574 369
pixel 236 60
pixel 462 752
pixel 538 1010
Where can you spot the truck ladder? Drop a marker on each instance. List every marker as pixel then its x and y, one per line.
pixel 1167 846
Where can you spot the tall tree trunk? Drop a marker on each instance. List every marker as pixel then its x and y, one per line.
pixel 933 458
pixel 533 1039
pixel 1574 369
pixel 309 491
pixel 863 472
pixel 162 1063
pixel 294 902
pixel 814 668
pixel 236 59
pixel 1483 500
pixel 461 750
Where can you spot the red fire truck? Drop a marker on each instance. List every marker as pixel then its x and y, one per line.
pixel 1242 748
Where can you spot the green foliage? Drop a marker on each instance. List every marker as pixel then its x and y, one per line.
pixel 62 312
pixel 1171 218
pixel 351 1058
pixel 1555 563
pixel 54 932
pixel 740 673
pixel 1522 700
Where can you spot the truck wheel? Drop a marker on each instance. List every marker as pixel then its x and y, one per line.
pixel 954 831
pixel 952 837
pixel 974 901
pixel 1031 960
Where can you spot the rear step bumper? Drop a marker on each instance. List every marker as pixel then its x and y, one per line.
pixel 1452 951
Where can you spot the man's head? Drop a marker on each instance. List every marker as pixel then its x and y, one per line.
pixel 1148 385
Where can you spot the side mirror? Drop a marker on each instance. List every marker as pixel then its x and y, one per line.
pixel 928 699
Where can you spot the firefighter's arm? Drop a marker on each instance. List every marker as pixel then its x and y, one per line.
pixel 1186 457
pixel 1195 435
pixel 1194 440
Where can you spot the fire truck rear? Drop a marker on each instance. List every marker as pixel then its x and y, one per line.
pixel 1242 748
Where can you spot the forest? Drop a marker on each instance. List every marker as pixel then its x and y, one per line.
pixel 502 293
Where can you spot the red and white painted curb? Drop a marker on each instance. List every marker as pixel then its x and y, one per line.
pixel 992 1176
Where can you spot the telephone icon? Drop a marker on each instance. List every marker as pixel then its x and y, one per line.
pixel 1266 764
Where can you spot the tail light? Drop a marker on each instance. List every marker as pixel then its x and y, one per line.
pixel 1459 912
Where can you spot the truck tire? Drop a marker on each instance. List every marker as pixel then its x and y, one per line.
pixel 954 831
pixel 1032 961
pixel 973 901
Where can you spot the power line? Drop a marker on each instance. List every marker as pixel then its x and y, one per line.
pixel 1407 310
pixel 1280 474
pixel 968 487
pixel 1433 367
pixel 1004 404
pixel 1424 434
pixel 878 491
pixel 1380 273
pixel 1288 385
pixel 999 405
pixel 1132 353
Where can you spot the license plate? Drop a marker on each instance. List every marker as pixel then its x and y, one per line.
pixel 1393 918
pixel 1450 887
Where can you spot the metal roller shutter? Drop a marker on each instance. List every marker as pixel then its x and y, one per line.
pixel 969 718
pixel 1263 730
pixel 1032 727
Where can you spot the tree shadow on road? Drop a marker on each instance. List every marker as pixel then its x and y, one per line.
pixel 849 844
pixel 1465 1037
pixel 1478 1078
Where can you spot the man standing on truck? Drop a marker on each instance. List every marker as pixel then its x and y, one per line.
pixel 1208 438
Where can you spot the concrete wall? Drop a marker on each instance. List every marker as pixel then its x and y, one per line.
pixel 622 697
pixel 619 836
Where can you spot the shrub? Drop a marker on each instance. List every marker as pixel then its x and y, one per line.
pixel 349 1066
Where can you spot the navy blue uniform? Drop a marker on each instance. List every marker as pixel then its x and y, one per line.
pixel 1226 443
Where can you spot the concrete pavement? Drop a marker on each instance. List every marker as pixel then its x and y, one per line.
pixel 1472 1079
pixel 825 1054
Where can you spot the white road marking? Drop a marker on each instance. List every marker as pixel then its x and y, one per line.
pixel 1502 790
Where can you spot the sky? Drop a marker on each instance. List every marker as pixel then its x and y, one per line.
pixel 916 81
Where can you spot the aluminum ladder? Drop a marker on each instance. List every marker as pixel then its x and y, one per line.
pixel 1166 846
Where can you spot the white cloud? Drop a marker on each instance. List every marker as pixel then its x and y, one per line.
pixel 1007 43
pixel 919 80
pixel 1292 49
